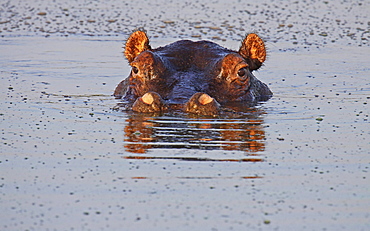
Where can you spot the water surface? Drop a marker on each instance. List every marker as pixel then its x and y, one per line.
pixel 299 161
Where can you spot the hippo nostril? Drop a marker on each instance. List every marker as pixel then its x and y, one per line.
pixel 205 99
pixel 147 98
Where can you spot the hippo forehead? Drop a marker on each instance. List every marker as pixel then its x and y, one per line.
pixel 187 55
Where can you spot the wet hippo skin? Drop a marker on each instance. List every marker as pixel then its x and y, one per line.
pixel 199 76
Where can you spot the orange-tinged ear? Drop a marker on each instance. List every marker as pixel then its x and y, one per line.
pixel 253 49
pixel 136 43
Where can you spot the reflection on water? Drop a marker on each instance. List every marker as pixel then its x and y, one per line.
pixel 193 159
pixel 241 132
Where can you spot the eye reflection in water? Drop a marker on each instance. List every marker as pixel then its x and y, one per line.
pixel 235 131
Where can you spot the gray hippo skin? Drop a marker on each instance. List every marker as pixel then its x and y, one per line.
pixel 198 77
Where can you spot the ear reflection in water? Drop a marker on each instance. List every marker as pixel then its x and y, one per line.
pixel 244 133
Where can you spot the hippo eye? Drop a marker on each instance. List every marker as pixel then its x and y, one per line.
pixel 241 72
pixel 135 70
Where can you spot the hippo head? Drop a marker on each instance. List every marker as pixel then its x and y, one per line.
pixel 199 76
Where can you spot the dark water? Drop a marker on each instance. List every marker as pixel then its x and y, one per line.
pixel 299 161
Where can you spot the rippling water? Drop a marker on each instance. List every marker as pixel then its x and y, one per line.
pixel 244 134
pixel 69 162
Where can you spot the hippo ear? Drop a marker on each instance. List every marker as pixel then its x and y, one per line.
pixel 253 50
pixel 136 43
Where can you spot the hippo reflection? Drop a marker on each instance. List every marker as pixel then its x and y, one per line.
pixel 245 133
pixel 198 77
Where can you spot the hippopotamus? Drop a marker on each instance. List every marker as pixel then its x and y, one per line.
pixel 198 77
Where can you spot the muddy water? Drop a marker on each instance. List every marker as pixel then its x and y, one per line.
pixel 299 161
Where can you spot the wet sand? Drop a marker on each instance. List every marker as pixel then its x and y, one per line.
pixel 299 161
